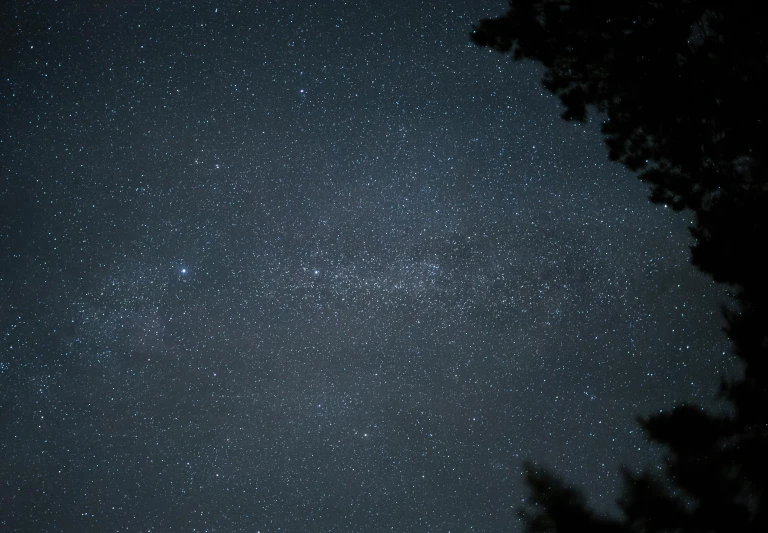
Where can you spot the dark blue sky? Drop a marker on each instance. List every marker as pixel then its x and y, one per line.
pixel 276 266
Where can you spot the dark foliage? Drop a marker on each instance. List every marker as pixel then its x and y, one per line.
pixel 684 86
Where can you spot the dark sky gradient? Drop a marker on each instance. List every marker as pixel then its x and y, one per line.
pixel 276 266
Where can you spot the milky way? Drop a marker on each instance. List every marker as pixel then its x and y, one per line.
pixel 318 268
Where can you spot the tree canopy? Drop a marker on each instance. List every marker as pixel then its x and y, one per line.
pixel 683 88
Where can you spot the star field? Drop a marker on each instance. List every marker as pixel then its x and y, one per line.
pixel 282 266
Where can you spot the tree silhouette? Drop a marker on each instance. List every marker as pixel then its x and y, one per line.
pixel 683 86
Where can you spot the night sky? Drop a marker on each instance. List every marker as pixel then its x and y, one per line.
pixel 282 266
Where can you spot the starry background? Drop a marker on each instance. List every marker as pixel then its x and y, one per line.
pixel 283 266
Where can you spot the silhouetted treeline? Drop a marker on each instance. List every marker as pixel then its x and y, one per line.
pixel 684 86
